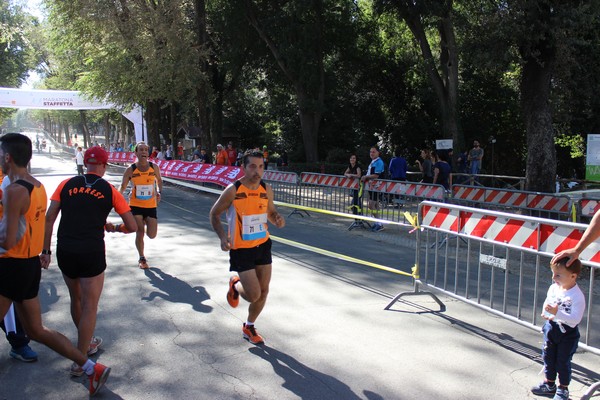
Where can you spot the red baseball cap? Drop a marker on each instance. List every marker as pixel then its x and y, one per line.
pixel 95 155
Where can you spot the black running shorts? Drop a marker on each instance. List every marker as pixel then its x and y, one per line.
pixel 246 259
pixel 20 278
pixel 144 212
pixel 81 265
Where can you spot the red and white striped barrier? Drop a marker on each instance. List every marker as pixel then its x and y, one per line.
pixel 280 176
pixel 421 190
pixel 513 198
pixel 309 178
pixel 589 207
pixel 527 233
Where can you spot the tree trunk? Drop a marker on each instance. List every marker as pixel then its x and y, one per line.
pixel 310 104
pixel 202 91
pixel 446 83
pixel 309 123
pixel 84 127
pixel 153 119
pixel 173 125
pixel 535 94
pixel 106 128
pixel 67 133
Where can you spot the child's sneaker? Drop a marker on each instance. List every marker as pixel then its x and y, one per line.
pixel 98 378
pixel 544 389
pixel 561 394
pixel 94 345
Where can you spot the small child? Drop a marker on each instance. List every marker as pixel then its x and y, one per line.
pixel 563 310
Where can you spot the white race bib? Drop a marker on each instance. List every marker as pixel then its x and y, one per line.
pixel 254 226
pixel 144 192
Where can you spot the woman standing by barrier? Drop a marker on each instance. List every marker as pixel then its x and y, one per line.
pixel 354 171
pixel 426 167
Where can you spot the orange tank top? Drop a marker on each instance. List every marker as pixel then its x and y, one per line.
pixel 32 242
pixel 143 193
pixel 247 217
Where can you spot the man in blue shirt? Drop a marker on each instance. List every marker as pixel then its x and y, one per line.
pixel 398 167
pixel 375 170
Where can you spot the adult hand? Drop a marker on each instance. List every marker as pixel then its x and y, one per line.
pixel 45 260
pixel 571 253
pixel 225 245
pixel 279 221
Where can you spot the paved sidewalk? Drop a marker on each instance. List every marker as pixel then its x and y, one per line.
pixel 169 333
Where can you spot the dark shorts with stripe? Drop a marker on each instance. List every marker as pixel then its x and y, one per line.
pixel 144 212
pixel 81 265
pixel 246 259
pixel 20 278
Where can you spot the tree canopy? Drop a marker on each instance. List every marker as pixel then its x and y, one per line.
pixel 322 79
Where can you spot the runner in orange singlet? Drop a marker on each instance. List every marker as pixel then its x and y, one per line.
pixel 20 265
pixel 144 198
pixel 249 205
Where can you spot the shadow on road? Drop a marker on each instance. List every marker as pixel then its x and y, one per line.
pixel 176 291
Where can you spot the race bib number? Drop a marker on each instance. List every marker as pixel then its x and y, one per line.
pixel 144 192
pixel 254 226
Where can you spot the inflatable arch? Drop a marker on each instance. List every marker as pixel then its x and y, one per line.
pixel 66 100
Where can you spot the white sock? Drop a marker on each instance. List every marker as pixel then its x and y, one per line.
pixel 248 323
pixel 88 367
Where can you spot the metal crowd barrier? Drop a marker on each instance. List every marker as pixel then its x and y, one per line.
pixel 587 207
pixel 284 184
pixel 499 262
pixel 334 193
pixel 536 204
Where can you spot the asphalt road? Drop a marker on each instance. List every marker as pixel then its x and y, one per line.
pixel 169 333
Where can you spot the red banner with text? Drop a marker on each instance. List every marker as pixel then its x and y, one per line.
pixel 190 171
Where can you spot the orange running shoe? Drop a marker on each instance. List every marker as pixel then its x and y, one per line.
pixel 251 335
pixel 142 263
pixel 233 297
pixel 98 378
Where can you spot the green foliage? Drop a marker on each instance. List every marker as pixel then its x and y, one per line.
pixel 357 64
pixel 574 143
pixel 17 52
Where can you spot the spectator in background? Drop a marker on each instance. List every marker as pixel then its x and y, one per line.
pixel 265 152
pixel 475 157
pixel 231 153
pixel 154 153
pixel 197 152
pixel 398 167
pixel 161 154
pixel 442 172
pixel 353 171
pixel 205 157
pixel 374 171
pixel 79 160
pixel 426 167
pixel 180 151
pixel 222 157
pixel 169 153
